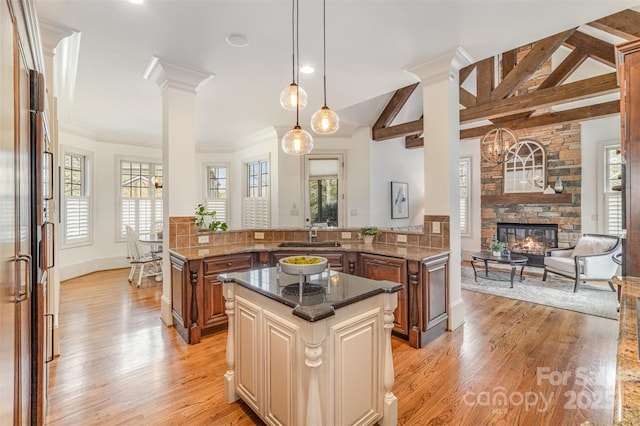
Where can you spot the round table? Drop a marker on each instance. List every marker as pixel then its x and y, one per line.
pixel 513 259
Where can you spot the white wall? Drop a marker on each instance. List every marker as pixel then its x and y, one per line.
pixel 105 252
pixel 471 243
pixel 390 161
pixel 595 133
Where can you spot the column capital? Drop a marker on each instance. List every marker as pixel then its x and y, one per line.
pixel 441 67
pixel 167 74
pixel 51 34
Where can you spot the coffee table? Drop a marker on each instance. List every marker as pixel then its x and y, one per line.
pixel 514 260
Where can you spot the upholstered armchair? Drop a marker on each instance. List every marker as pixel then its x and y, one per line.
pixel 591 259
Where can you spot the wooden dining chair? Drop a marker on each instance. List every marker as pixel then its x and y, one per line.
pixel 147 264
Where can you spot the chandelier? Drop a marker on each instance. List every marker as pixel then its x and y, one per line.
pixel 293 96
pixel 324 121
pixel 496 142
pixel 297 141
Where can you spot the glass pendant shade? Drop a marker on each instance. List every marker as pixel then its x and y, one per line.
pixel 291 95
pixel 495 144
pixel 297 141
pixel 325 121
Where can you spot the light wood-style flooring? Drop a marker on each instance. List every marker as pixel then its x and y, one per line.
pixel 512 363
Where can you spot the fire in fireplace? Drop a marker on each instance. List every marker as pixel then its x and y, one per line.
pixel 529 240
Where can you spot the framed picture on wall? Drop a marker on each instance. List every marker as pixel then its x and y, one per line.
pixel 399 200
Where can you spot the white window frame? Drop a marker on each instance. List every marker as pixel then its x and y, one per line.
pixel 120 230
pixel 256 210
pixel 465 222
pixel 340 156
pixel 214 203
pixel 609 196
pixel 87 180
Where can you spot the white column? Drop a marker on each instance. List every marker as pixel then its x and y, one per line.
pixel 50 37
pixel 441 156
pixel 178 86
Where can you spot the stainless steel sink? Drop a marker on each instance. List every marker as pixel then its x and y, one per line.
pixel 310 244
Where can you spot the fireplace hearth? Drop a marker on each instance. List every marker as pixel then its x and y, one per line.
pixel 529 239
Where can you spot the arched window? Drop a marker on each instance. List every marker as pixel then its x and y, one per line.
pixel 524 167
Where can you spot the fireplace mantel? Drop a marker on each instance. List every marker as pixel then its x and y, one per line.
pixel 527 198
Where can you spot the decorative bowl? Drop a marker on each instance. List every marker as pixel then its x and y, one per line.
pixel 309 265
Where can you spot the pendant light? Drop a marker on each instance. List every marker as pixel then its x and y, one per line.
pixel 495 144
pixel 297 141
pixel 293 96
pixel 325 121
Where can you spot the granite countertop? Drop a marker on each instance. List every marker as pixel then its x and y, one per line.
pixel 627 393
pixel 322 293
pixel 402 252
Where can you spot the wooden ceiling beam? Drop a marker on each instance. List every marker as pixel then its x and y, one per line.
pixel 467 99
pixel 564 69
pixel 484 80
pixel 465 72
pixel 597 49
pixel 398 131
pixel 624 24
pixel 578 90
pixel 394 106
pixel 557 117
pixel 508 63
pixel 539 53
pixel 413 142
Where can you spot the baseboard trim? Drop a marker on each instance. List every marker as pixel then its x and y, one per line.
pixel 75 270
pixel 165 311
pixel 456 314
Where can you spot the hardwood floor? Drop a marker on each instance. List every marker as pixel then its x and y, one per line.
pixel 512 363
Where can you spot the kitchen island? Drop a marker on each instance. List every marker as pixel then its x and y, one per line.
pixel 317 357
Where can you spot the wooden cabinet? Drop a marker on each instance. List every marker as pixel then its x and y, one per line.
pixel 334 371
pixel 198 305
pixel 629 71
pixel 391 269
pixel 213 300
pixel 429 295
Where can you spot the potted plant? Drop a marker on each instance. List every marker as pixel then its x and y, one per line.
pixel 497 247
pixel 206 220
pixel 368 233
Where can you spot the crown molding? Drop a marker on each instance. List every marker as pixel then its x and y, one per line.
pixel 168 74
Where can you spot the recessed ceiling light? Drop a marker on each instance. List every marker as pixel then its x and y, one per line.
pixel 136 1
pixel 306 69
pixel 237 40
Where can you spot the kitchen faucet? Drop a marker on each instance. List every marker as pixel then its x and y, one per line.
pixel 311 234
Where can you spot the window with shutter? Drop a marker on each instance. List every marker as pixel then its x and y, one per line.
pixel 217 191
pixel 140 197
pixel 76 199
pixel 612 188
pixel 256 203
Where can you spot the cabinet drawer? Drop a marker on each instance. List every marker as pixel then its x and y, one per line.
pixel 226 263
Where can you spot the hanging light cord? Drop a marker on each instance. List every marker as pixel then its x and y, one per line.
pixel 293 43
pixel 297 65
pixel 324 49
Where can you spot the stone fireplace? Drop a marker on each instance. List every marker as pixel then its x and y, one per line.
pixel 529 240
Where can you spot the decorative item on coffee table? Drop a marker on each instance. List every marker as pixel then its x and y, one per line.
pixel 497 247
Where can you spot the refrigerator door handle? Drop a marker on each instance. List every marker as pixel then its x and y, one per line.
pixel 21 295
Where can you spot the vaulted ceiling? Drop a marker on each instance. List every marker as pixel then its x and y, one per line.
pixel 370 46
pixel 511 101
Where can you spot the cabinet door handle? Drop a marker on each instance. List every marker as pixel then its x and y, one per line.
pixel 229 264
pixel 381 262
pixel 50 192
pixel 21 295
pixel 51 338
pixel 46 262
